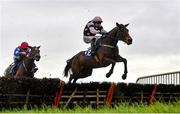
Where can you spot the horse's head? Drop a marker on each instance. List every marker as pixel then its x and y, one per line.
pixel 35 53
pixel 123 33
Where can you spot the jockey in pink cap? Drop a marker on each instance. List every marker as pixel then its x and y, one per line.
pixel 92 28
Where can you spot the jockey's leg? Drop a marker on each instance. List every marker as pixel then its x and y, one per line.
pixel 94 44
pixel 92 40
pixel 14 67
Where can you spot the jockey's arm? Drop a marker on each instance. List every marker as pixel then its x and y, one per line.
pixel 28 51
pixel 93 30
pixel 17 52
pixel 23 53
pixel 103 31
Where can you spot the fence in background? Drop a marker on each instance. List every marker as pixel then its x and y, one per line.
pixel 165 78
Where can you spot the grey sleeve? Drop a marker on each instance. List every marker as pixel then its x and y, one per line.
pixel 93 30
pixel 103 31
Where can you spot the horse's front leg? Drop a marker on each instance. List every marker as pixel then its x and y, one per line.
pixel 121 59
pixel 110 61
pixel 110 71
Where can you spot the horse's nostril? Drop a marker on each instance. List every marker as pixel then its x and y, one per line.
pixel 37 57
pixel 129 40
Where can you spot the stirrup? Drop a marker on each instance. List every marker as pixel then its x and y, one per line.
pixel 93 53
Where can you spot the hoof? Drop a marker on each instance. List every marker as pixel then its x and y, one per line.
pixel 124 76
pixel 108 75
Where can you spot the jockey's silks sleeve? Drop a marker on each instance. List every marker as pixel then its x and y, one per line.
pixel 17 52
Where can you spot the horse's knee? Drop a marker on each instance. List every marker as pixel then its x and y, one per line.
pixel 124 60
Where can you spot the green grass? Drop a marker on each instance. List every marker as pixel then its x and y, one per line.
pixel 157 107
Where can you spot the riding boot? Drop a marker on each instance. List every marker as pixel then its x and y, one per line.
pixel 14 67
pixel 93 48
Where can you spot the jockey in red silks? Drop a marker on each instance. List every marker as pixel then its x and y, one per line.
pixel 92 28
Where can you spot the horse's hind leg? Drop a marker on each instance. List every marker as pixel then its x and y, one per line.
pixel 75 79
pixel 70 78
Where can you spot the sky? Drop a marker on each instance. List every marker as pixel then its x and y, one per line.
pixel 57 26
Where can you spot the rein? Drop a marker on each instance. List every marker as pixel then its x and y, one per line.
pixel 109 46
pixel 25 66
pixel 24 63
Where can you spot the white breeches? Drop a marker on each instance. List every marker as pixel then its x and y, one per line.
pixel 88 39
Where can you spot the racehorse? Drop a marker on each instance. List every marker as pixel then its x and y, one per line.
pixel 26 68
pixel 107 53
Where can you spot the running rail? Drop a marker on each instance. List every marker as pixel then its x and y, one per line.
pixel 165 78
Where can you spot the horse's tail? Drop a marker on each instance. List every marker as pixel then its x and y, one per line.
pixel 69 63
pixel 67 67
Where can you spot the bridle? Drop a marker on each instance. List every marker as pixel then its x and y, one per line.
pixel 30 58
pixel 24 65
pixel 110 46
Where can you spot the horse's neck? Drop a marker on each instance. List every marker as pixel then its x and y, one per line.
pixel 110 39
pixel 113 32
pixel 28 63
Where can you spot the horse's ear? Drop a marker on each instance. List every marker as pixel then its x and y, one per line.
pixel 117 24
pixel 126 25
pixel 30 47
pixel 38 47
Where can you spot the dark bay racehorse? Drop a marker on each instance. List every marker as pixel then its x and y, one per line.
pixel 108 53
pixel 26 68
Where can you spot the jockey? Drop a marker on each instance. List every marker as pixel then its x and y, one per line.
pixel 20 52
pixel 92 28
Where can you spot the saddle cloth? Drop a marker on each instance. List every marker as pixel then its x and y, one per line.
pixel 88 54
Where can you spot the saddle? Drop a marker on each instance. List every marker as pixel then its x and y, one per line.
pixel 91 52
pixel 89 55
pixel 14 66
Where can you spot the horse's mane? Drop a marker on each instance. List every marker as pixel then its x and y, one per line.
pixel 113 30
